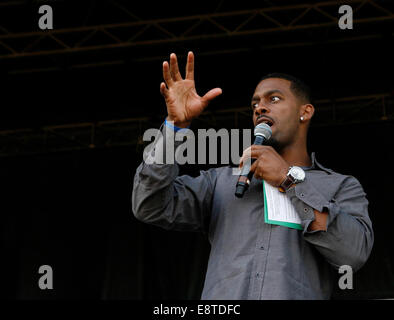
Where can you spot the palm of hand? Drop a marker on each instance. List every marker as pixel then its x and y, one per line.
pixel 183 102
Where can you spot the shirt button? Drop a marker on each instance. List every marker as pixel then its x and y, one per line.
pixel 302 195
pixel 262 248
pixel 305 209
pixel 257 275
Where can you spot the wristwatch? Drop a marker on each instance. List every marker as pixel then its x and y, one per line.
pixel 294 175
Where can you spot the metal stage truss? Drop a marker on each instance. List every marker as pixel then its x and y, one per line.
pixel 131 37
pixel 138 33
pixel 129 131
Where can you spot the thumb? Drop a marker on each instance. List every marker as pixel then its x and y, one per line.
pixel 212 94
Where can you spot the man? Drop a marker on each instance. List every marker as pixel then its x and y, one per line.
pixel 249 258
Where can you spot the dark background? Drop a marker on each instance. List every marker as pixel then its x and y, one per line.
pixel 65 191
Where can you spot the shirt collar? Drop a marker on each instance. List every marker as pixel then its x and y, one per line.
pixel 316 165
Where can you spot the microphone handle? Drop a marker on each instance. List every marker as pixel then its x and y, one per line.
pixel 246 175
pixel 259 140
pixel 250 173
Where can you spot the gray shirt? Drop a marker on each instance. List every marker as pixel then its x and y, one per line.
pixel 250 259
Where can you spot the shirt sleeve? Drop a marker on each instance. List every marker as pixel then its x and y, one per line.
pixel 162 198
pixel 349 237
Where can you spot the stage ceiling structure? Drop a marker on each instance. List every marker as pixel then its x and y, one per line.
pixel 97 34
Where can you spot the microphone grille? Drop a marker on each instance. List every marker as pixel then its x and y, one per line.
pixel 263 129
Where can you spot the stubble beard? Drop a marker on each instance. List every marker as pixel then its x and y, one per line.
pixel 274 143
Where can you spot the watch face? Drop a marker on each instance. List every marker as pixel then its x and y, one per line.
pixel 297 173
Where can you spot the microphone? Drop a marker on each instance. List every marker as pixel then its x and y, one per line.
pixel 262 133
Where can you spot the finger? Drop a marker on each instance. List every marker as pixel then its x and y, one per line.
pixel 253 166
pixel 174 68
pixel 247 162
pixel 256 153
pixel 167 74
pixel 163 89
pixel 252 152
pixel 190 66
pixel 212 94
pixel 245 155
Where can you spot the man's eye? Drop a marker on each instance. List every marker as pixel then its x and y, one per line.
pixel 255 105
pixel 275 98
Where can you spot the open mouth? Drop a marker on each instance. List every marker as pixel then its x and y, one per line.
pixel 265 120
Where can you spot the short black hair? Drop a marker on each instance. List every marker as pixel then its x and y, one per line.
pixel 300 89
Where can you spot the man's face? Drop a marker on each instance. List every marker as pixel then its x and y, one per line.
pixel 274 102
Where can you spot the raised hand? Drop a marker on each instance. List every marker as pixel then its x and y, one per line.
pixel 183 102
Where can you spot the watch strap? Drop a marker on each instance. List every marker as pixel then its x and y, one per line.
pixel 286 184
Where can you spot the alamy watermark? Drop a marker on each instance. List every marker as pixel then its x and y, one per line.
pixel 185 147
pixel 346 20
pixel 45 22
pixel 345 281
pixel 46 280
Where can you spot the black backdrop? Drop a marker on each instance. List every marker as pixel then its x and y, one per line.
pixel 71 210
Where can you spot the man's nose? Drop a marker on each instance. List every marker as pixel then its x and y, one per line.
pixel 261 109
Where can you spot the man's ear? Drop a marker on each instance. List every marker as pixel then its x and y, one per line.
pixel 307 111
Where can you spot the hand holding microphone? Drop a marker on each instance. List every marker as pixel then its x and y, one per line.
pixel 262 134
pixel 264 163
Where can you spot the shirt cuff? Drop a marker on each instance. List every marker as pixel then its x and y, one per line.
pixel 305 198
pixel 174 127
